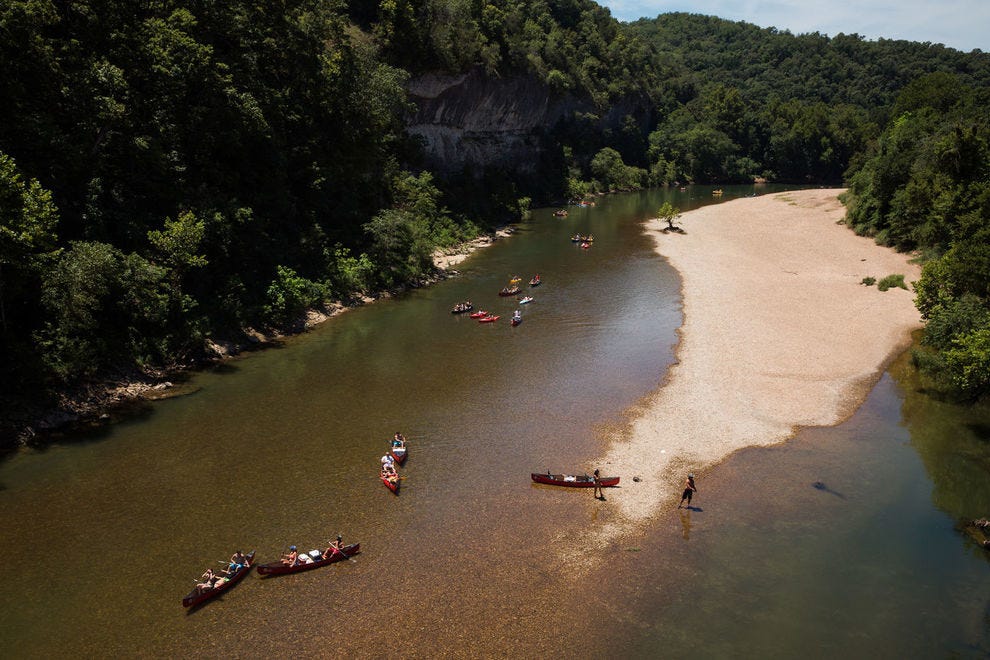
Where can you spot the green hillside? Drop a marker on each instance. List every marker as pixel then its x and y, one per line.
pixel 184 169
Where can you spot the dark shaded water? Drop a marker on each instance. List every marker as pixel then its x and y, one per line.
pixel 283 448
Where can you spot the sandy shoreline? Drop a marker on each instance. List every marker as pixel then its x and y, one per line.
pixel 778 333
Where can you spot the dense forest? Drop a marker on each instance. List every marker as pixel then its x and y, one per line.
pixel 176 170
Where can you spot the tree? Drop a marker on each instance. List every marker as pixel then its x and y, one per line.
pixel 27 239
pixel 968 362
pixel 28 218
pixel 178 244
pixel 398 246
pixel 105 310
pixel 607 167
pixel 668 214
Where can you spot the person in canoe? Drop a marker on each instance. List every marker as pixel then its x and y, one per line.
pixel 209 581
pixel 334 547
pixel 398 440
pixel 389 472
pixel 390 475
pixel 237 562
pixel 388 461
pixel 289 558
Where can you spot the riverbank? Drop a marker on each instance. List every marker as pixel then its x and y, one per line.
pixel 779 333
pixel 26 422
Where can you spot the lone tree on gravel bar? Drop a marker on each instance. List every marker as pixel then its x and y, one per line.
pixel 668 214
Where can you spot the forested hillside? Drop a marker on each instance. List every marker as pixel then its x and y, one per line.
pixel 179 170
pixel 925 186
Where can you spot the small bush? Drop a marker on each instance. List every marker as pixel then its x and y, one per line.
pixel 869 281
pixel 289 295
pixel 523 205
pixel 892 281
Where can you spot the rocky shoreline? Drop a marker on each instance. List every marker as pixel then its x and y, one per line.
pixel 25 423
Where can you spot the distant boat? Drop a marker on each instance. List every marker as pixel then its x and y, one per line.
pixel 479 315
pixel 560 213
pixel 510 290
pixel 717 192
pixel 489 319
pixel 516 319
pixel 536 281
pixel 391 481
pixel 278 568
pixel 525 299
pixel 399 452
pixel 572 481
pixel 196 596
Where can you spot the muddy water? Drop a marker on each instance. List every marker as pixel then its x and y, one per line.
pixel 470 559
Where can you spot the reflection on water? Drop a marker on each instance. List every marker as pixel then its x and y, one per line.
pixel 685 515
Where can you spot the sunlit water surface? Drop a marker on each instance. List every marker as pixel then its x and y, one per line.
pixel 471 558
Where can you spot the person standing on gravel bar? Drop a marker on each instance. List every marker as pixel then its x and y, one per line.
pixel 689 490
pixel 599 493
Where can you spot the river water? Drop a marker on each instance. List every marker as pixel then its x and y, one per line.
pixel 842 540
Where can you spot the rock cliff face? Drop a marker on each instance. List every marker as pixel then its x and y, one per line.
pixel 474 120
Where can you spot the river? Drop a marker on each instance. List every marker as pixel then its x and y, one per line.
pixel 842 538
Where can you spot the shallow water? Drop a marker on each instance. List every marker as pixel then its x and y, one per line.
pixel 471 558
pixel 840 543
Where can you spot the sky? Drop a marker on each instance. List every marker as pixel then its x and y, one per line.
pixel 960 24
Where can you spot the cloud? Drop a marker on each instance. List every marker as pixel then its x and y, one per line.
pixel 959 24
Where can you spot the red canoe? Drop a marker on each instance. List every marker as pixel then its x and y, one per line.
pixel 489 319
pixel 478 315
pixel 278 568
pixel 196 597
pixel 573 481
pixel 391 485
pixel 399 454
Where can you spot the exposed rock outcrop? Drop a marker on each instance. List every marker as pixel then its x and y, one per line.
pixel 471 119
pixel 476 121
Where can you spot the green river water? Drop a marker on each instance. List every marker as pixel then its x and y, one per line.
pixel 842 541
